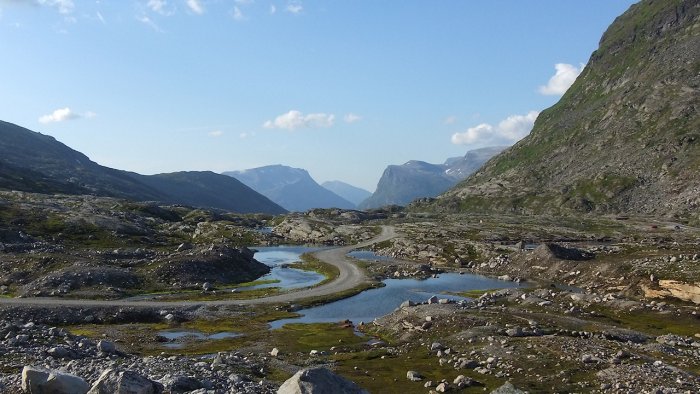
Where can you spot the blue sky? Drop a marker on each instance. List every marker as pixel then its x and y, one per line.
pixel 340 88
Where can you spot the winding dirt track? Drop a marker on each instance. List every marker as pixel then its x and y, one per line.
pixel 350 276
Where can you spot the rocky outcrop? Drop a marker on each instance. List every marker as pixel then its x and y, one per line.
pixel 319 381
pixel 624 137
pixel 673 288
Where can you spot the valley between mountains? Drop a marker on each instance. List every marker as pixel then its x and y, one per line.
pixel 568 262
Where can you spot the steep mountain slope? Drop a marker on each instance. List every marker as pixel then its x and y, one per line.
pixel 34 162
pixel 402 184
pixel 624 138
pixel 349 192
pixel 291 188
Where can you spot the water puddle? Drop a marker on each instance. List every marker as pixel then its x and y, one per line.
pixel 278 257
pixel 178 339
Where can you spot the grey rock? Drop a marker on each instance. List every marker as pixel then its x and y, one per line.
pixel 407 303
pixel 39 380
pixel 183 384
pixel 113 381
pixel 59 352
pixel 507 388
pixel 319 381
pixel 106 347
pixel 414 376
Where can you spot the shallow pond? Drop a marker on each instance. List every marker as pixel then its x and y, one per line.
pixel 185 335
pixel 285 278
pixel 374 303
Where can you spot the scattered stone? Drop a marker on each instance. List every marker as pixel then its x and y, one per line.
pixel 319 380
pixel 106 347
pixel 114 381
pixel 507 388
pixel 274 352
pixel 414 376
pixel 39 380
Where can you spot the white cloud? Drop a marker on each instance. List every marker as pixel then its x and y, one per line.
pixel 195 6
pixel 273 9
pixel 159 6
pixel 508 131
pixel 294 7
pixel 450 120
pixel 237 13
pixel 100 18
pixel 216 133
pixel 293 120
pixel 59 115
pixel 149 22
pixel 352 118
pixel 562 79
pixel 64 7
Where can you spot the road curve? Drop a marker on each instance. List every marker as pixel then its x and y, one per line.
pixel 350 276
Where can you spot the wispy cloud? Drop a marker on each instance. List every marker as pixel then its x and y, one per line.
pixel 562 79
pixel 293 120
pixel 294 7
pixel 507 131
pixel 64 7
pixel 352 118
pixel 215 133
pixel 273 9
pixel 450 120
pixel 195 6
pixel 64 114
pixel 237 13
pixel 160 6
pixel 149 22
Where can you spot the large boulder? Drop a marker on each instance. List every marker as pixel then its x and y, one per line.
pixel 39 380
pixel 112 381
pixel 319 381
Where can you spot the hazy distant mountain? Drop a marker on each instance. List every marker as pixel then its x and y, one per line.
pixel 349 192
pixel 34 162
pixel 399 185
pixel 292 188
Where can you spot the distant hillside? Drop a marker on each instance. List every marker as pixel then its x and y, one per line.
pixel 205 188
pixel 399 185
pixel 291 188
pixel 349 192
pixel 624 138
pixel 34 162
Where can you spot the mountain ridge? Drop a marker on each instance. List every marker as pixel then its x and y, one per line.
pixel 34 162
pixel 401 184
pixel 291 188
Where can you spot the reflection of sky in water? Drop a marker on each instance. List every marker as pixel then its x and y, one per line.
pixel 289 278
pixel 374 303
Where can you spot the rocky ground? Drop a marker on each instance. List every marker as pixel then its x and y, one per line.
pixel 611 303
